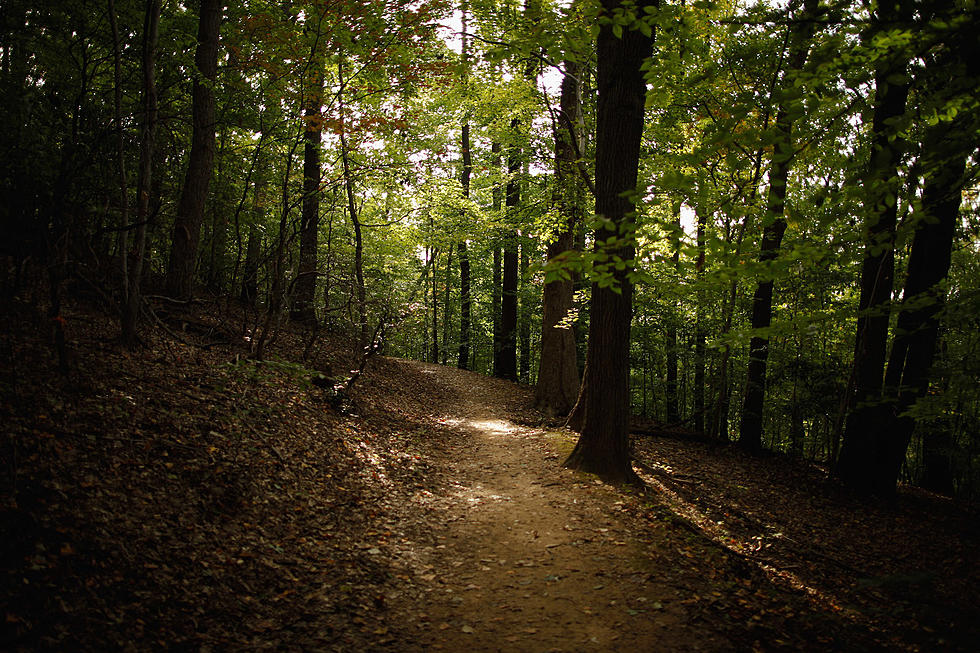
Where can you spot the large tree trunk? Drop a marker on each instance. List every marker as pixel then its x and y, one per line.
pixel 917 330
pixel 860 450
pixel 603 446
pixel 558 380
pixel 750 434
pixel 190 208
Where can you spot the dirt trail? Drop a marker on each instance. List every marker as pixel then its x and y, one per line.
pixel 527 556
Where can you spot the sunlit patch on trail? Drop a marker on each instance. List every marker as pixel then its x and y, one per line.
pixel 494 426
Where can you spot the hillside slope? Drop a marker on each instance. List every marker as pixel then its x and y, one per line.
pixel 183 496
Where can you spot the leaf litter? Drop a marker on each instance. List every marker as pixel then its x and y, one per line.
pixel 186 497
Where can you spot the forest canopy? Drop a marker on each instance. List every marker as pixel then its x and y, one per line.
pixel 768 211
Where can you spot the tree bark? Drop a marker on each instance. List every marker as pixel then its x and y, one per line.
pixel 558 379
pixel 133 298
pixel 603 446
pixel 860 448
pixel 671 381
pixel 917 330
pixel 190 208
pixel 699 330
pixel 497 280
pixel 362 324
pixel 506 367
pixel 304 298
pixel 753 406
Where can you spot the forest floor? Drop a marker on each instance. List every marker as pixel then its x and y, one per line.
pixel 182 496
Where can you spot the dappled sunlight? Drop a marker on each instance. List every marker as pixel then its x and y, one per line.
pixel 493 426
pixel 746 547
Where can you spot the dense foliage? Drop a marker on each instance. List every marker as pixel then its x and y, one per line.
pixel 762 186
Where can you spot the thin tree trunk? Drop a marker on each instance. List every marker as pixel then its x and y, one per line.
pixel 447 306
pixel 750 433
pixel 362 323
pixel 273 311
pixel 434 353
pixel 699 331
pixel 524 318
pixel 219 224
pixel 133 300
pixel 671 390
pixel 497 282
pixel 250 276
pixel 120 160
pixel 506 367
pixel 465 301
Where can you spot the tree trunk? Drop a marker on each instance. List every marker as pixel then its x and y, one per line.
pixel 190 208
pixel 699 331
pixel 219 224
pixel 524 316
pixel 304 298
pixel 250 276
pixel 860 450
pixel 750 433
pixel 506 366
pixel 133 298
pixel 558 379
pixel 447 306
pixel 465 302
pixel 917 330
pixel 603 446
pixel 362 325
pixel 121 164
pixel 671 390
